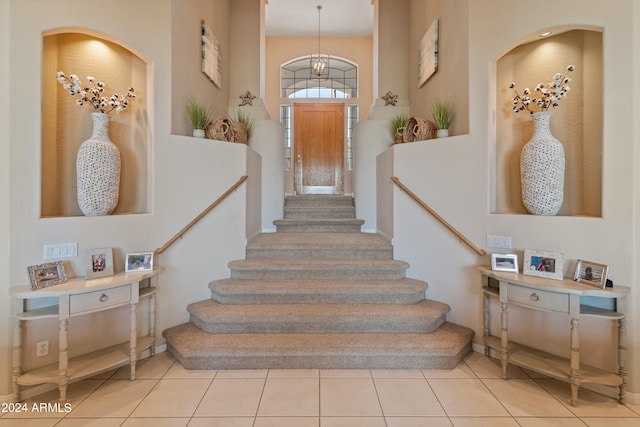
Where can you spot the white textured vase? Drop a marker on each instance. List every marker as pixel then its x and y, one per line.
pixel 98 170
pixel 542 169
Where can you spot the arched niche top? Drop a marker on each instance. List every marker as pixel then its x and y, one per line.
pixel 65 124
pixel 577 122
pixel 97 35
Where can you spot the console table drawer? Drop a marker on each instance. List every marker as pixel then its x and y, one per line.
pixel 99 300
pixel 538 299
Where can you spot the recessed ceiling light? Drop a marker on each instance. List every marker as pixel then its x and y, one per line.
pixel 545 34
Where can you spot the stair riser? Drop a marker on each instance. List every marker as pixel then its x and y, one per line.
pixel 313 326
pixel 319 213
pixel 318 299
pixel 318 201
pixel 329 360
pixel 315 253
pixel 315 228
pixel 318 274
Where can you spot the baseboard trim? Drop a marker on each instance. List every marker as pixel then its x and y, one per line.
pixel 633 398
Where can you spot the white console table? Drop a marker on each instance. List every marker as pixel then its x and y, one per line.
pixel 78 297
pixel 561 296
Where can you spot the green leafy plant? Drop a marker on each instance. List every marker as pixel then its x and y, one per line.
pixel 442 114
pixel 244 118
pixel 397 123
pixel 199 112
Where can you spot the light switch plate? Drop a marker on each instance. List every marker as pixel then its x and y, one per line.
pixel 502 242
pixel 60 250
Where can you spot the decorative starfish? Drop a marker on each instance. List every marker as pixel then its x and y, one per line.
pixel 390 99
pixel 247 99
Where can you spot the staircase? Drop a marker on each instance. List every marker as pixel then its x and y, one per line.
pixel 320 294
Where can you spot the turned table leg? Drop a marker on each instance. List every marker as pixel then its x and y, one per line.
pixel 63 362
pixel 17 358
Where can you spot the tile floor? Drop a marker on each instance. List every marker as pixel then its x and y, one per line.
pixel 167 395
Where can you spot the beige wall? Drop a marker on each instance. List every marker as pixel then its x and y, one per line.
pixel 5 197
pixel 244 47
pixel 451 81
pixel 393 61
pixel 187 77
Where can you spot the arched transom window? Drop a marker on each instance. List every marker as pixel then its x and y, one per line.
pixel 340 79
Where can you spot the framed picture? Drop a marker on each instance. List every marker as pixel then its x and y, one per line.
pixel 211 55
pixel 543 264
pixel 504 262
pixel 428 54
pixel 141 261
pixel 45 275
pixel 99 263
pixel 591 273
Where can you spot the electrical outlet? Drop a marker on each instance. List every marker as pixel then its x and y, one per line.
pixel 42 348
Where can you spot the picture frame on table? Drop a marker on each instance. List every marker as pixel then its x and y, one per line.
pixel 99 263
pixel 45 275
pixel 543 264
pixel 504 262
pixel 139 261
pixel 591 273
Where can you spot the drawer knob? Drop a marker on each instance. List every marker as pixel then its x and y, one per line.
pixel 104 298
pixel 534 297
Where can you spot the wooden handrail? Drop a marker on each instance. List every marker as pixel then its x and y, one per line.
pixel 438 217
pixel 202 214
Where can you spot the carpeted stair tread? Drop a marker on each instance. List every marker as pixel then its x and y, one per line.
pixel 334 212
pixel 319 245
pixel 275 268
pixel 235 291
pixel 196 349
pixel 213 317
pixel 318 294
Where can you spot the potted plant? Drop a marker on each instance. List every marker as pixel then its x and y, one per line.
pixel 244 119
pixel 442 113
pixel 397 127
pixel 199 113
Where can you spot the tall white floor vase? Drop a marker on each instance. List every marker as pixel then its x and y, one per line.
pixel 542 169
pixel 98 170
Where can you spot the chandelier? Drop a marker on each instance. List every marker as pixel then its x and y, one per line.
pixel 319 62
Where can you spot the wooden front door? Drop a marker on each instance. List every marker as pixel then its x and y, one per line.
pixel 318 148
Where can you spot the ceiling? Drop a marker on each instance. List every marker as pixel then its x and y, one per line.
pixel 337 18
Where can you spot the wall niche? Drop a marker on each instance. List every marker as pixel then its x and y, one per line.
pixel 65 125
pixel 576 123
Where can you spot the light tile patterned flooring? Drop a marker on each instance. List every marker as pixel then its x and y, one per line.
pixel 166 395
